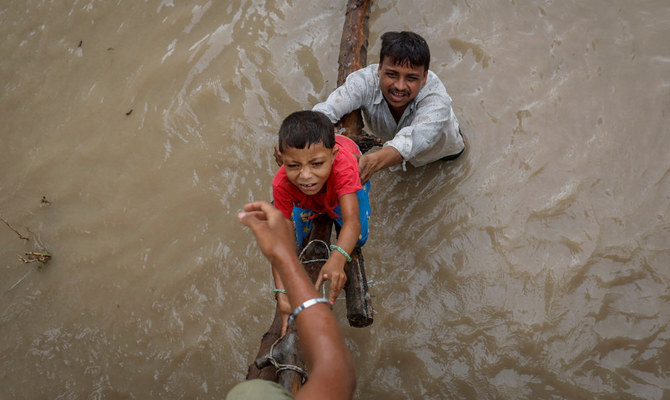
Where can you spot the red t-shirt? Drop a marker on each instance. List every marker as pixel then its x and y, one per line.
pixel 343 179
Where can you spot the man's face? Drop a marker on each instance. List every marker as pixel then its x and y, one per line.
pixel 400 84
pixel 309 168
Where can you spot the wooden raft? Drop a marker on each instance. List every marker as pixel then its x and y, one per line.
pixel 278 356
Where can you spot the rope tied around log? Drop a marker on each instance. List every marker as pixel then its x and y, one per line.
pixel 285 367
pixel 317 241
pixel 315 260
pixel 279 353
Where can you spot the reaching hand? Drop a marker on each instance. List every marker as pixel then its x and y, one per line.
pixel 273 233
pixel 335 274
pixel 369 164
pixel 365 168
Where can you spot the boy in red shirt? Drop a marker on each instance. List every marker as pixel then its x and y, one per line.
pixel 320 175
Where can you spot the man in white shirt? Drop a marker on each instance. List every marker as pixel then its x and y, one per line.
pixel 403 103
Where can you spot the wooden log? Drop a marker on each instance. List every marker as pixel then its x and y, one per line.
pixel 286 361
pixel 353 56
pixel 359 305
pixel 354 43
pixel 267 372
pixel 322 228
pixel 285 350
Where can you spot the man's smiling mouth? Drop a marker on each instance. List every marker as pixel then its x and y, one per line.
pixel 398 94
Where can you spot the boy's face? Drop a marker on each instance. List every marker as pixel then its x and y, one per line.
pixel 309 168
pixel 400 84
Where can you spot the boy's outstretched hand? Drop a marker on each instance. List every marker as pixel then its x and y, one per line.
pixel 331 272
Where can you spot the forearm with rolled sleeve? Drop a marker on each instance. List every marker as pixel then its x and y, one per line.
pixel 346 98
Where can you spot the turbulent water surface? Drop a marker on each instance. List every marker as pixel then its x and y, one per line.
pixel 536 266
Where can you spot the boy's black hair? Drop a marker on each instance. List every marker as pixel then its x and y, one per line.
pixel 304 128
pixel 405 48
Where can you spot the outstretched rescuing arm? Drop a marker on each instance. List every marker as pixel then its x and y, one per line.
pixel 329 364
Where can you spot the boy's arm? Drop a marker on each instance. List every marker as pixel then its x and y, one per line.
pixel 333 270
pixel 283 203
pixel 282 298
pixel 331 371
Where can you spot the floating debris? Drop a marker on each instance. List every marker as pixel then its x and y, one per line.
pixel 12 228
pixel 42 256
pixel 33 256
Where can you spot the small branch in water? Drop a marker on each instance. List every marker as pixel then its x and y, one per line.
pixel 12 228
pixel 33 256
pixel 42 256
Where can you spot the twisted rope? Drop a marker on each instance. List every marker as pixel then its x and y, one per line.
pixel 316 241
pixel 280 367
pixel 285 367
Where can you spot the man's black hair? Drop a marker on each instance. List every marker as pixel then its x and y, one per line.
pixel 304 128
pixel 405 48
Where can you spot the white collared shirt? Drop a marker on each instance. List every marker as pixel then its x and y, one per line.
pixel 427 130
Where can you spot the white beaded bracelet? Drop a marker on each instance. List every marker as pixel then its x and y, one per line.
pixel 306 304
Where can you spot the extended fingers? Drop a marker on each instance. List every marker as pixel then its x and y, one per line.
pixel 263 206
pixel 261 211
pixel 336 286
pixel 319 281
pixel 334 293
pixel 250 219
pixel 364 171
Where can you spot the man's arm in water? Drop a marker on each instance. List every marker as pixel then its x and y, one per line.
pixel 371 163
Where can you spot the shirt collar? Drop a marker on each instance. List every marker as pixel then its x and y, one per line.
pixel 379 97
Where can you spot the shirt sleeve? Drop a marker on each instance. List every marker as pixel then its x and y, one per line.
pixel 347 178
pixel 346 98
pixel 281 197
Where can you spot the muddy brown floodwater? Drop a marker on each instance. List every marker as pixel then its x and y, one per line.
pixel 535 267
